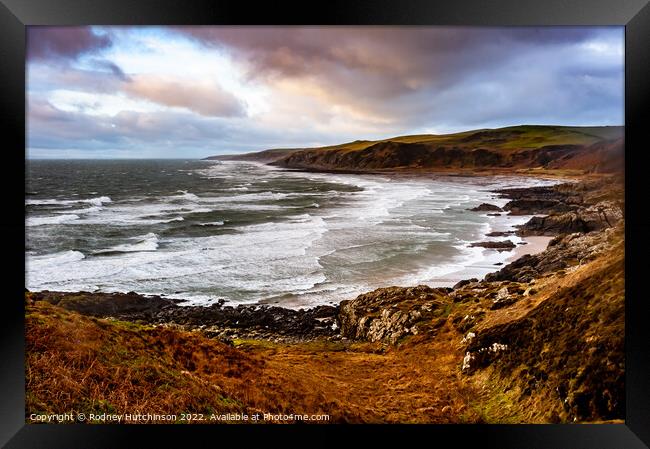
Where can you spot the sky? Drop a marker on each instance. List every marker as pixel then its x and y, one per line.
pixel 192 92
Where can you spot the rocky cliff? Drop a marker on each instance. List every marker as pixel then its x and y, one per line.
pixel 525 147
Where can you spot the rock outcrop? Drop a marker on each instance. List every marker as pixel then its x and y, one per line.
pixel 605 214
pixel 387 314
pixel 541 200
pixel 486 207
pixel 562 252
pixel 502 245
pixel 567 208
pixel 499 233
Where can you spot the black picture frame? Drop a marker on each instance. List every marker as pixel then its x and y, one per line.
pixel 15 15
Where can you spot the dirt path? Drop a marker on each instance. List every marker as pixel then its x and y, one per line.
pixel 417 382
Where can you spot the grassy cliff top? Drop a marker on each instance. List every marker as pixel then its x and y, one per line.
pixel 511 137
pixel 508 138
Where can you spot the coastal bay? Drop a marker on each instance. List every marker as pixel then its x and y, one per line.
pixel 327 224
pixel 247 233
pixel 475 331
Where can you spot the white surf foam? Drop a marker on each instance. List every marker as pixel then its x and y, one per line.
pixel 327 254
pixel 184 194
pixel 148 242
pixel 94 201
pixel 97 201
pixel 85 210
pixel 172 220
pixel 50 220
pixel 213 223
pixel 56 258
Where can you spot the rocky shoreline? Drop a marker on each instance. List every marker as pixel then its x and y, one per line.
pixel 218 321
pixel 541 340
pixel 573 212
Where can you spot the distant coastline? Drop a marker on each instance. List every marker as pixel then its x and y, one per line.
pixel 527 149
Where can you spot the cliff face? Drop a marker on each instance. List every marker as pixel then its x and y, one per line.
pixel 598 158
pixel 553 148
pixel 580 149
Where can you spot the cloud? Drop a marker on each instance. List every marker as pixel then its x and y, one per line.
pixel 52 132
pixel 112 68
pixel 399 76
pixel 45 77
pixel 63 43
pixel 196 91
pixel 204 98
pixel 400 56
pixel 105 78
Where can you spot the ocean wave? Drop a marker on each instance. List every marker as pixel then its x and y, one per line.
pixel 432 274
pixel 57 258
pixel 251 197
pixel 214 223
pixel 148 242
pixel 86 210
pixel 171 220
pixel 145 213
pixel 97 201
pixel 302 218
pixel 301 255
pixel 52 201
pixel 186 196
pixel 50 220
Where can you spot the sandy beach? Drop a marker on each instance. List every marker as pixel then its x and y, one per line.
pixel 534 245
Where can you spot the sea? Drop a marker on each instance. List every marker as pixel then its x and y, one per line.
pixel 249 233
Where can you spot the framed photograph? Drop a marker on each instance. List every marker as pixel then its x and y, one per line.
pixel 368 213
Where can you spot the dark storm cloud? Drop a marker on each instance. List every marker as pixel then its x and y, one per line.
pixel 416 76
pixel 396 54
pixel 63 43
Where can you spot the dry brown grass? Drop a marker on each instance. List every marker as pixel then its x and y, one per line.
pixel 79 364
pixel 568 358
pixel 419 381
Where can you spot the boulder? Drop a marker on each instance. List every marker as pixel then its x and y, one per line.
pixel 502 245
pixel 537 206
pixel 486 207
pixel 597 217
pixel 464 282
pixel 499 233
